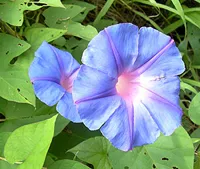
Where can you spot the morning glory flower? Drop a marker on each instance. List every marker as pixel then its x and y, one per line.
pixel 52 73
pixel 128 85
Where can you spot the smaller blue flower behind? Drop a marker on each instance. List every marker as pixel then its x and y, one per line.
pixel 52 73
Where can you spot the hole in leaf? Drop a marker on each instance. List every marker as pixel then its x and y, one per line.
pixel 126 167
pixel 18 89
pixel 13 60
pixel 165 158
pixel 7 52
pixel 2 116
pixel 26 98
pixel 82 13
pixel 19 44
pixel 52 36
pixel 40 4
pixel 29 4
pixel 154 166
pixel 145 153
pixel 175 167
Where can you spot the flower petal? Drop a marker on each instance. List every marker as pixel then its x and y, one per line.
pixel 167 88
pixel 117 129
pixel 165 98
pixel 49 64
pixel 146 130
pixel 48 92
pixel 45 64
pixel 94 113
pixel 113 49
pixel 67 108
pixel 92 84
pixel 158 55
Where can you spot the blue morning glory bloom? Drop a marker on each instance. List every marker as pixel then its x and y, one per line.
pixel 52 73
pixel 128 85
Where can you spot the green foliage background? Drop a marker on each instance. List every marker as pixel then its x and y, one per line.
pixel 35 136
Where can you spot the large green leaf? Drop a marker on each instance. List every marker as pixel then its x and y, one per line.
pixel 73 134
pixel 93 151
pixel 67 164
pixel 17 115
pixel 12 11
pixel 175 152
pixel 14 81
pixel 194 109
pixel 81 16
pixel 35 36
pixel 30 144
pixel 63 19
pixel 6 165
pixel 3 138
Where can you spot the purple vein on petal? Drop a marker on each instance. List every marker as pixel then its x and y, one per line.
pixel 108 93
pixel 130 118
pixel 60 63
pixel 115 52
pixel 156 96
pixel 44 79
pixel 148 64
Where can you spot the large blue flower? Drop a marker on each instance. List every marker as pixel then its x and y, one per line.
pixel 128 85
pixel 52 73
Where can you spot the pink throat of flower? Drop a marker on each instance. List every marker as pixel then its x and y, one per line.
pixel 124 86
pixel 66 83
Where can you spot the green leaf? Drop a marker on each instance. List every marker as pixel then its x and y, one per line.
pixel 73 134
pixel 3 138
pixel 93 151
pixel 16 17
pixel 173 26
pixel 103 23
pixel 103 11
pixel 63 19
pixel 175 151
pixel 185 86
pixel 76 47
pixel 194 40
pixel 18 115
pixel 30 144
pixel 81 16
pixel 17 7
pixel 193 17
pixel 67 164
pixel 54 3
pixel 6 165
pixel 197 162
pixel 85 32
pixel 194 109
pixel 14 80
pixel 60 124
pixel 179 8
pixel 35 36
